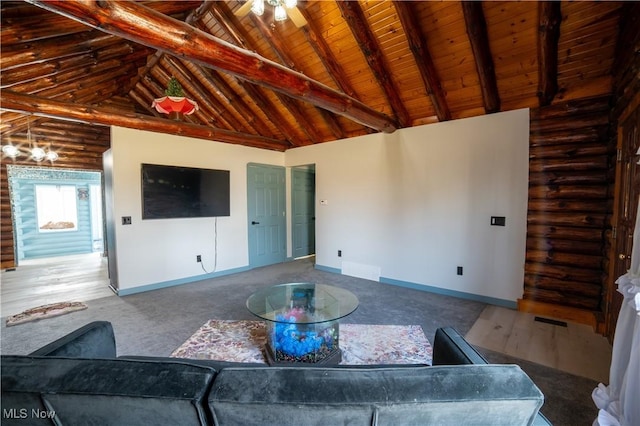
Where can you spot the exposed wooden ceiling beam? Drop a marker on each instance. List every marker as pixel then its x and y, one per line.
pixel 550 17
pixel 219 85
pixel 418 44
pixel 12 101
pixel 242 38
pixel 232 27
pixel 324 52
pixel 479 39
pixel 265 104
pixel 143 25
pixel 353 14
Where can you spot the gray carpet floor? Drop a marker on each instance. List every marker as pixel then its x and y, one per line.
pixel 157 322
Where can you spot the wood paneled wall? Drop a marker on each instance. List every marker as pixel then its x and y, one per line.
pixel 572 160
pixel 80 147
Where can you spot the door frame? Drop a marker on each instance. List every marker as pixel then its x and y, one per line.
pixel 308 168
pixel 623 218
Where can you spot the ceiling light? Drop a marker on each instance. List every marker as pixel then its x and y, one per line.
pixel 175 103
pixel 10 151
pixel 36 153
pixel 51 156
pixel 258 7
pixel 280 14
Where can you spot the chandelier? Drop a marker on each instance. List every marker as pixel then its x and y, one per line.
pixel 280 6
pixel 35 153
pixel 282 9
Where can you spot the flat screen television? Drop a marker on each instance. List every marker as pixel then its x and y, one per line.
pixel 181 192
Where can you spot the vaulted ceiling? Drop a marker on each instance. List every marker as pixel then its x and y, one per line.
pixel 354 67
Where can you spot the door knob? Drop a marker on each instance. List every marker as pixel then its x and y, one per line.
pixel 253 222
pixel 622 256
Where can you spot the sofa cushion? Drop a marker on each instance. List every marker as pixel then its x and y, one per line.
pixel 94 340
pixel 466 394
pixel 105 391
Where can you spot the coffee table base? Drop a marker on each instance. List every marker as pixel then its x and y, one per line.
pixel 334 358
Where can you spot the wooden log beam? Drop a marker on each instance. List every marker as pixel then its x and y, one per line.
pixel 569 178
pixel 575 164
pixel 143 25
pixel 580 220
pixel 282 52
pixel 94 115
pixel 592 248
pixel 264 103
pixel 216 83
pixel 565 233
pixel 324 52
pixel 231 25
pixel 352 13
pixel 418 44
pixel 567 273
pixel 298 113
pixel 479 39
pixel 548 36
pixel 77 44
pixel 578 260
pixel 572 108
pixel 566 192
pixel 566 302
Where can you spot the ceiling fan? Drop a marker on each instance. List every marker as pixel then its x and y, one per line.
pixel 282 10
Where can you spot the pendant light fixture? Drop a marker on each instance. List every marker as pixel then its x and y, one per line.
pixel 36 153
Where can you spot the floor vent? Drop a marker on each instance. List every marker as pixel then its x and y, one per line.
pixel 551 321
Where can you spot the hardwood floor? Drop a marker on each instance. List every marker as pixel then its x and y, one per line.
pixel 569 347
pixel 40 282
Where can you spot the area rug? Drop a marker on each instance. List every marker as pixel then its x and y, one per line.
pixel 361 344
pixel 45 311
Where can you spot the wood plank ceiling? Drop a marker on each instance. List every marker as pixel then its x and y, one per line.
pixel 356 67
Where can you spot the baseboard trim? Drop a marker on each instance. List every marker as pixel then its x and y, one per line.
pixel 453 293
pixel 173 283
pixel 328 269
pixel 437 290
pixel 567 313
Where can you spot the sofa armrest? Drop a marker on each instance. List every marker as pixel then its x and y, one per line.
pixel 94 340
pixel 450 348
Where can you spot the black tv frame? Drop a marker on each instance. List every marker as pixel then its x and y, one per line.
pixel 177 192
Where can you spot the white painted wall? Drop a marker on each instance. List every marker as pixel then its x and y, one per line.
pixel 409 207
pixel 414 205
pixel 164 250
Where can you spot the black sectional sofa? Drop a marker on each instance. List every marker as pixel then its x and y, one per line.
pixel 79 380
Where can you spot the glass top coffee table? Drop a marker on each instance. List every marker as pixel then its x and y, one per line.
pixel 302 321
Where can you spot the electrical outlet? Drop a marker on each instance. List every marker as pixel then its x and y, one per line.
pixel 459 270
pixel 198 258
pixel 126 220
pixel 339 253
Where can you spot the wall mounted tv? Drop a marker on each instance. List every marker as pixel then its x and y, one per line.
pixel 180 192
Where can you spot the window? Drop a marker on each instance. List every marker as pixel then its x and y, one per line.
pixel 56 207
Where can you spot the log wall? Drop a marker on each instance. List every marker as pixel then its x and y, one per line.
pixel 80 147
pixel 571 165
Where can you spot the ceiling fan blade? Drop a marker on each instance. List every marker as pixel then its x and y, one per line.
pixel 244 9
pixel 296 17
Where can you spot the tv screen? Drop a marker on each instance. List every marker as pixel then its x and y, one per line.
pixel 180 192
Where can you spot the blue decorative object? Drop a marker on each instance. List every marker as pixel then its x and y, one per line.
pixel 302 342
